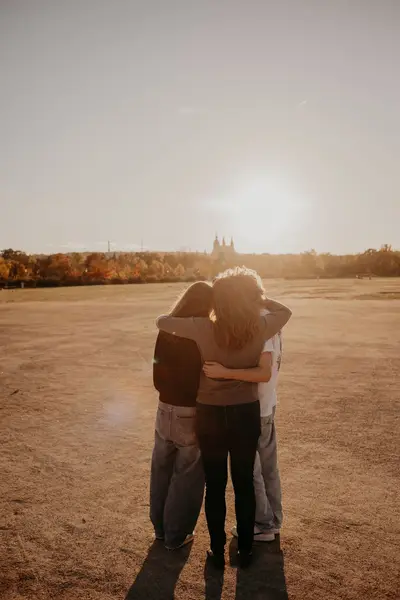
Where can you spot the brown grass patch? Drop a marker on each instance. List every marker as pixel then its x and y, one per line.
pixel 77 412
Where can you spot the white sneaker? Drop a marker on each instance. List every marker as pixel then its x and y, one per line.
pixel 188 539
pixel 263 536
pixel 259 534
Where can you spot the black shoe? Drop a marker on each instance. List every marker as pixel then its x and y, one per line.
pixel 217 559
pixel 245 559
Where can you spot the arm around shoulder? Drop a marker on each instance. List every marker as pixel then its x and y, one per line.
pixel 278 316
pixel 182 327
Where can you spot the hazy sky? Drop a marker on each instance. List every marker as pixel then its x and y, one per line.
pixel 277 122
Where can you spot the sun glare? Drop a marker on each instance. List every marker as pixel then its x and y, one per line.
pixel 263 209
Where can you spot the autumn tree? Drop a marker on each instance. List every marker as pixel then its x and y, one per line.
pixel 154 266
pixel 179 271
pixel 140 269
pixel 59 268
pixel 156 269
pixel 4 268
pixel 97 267
pixel 310 263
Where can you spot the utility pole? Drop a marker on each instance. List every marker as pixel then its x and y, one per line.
pixel 109 248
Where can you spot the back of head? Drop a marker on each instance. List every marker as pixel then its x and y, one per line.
pixel 237 299
pixel 196 301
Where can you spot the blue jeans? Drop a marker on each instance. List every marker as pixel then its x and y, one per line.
pixel 267 483
pixel 177 477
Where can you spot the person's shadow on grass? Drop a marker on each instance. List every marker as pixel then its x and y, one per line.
pixel 265 578
pixel 214 582
pixel 159 573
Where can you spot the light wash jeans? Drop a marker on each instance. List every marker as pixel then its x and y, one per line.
pixel 177 477
pixel 267 483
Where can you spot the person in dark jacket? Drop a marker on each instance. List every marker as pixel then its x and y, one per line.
pixel 177 476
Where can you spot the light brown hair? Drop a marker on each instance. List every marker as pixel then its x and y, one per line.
pixel 238 296
pixel 196 301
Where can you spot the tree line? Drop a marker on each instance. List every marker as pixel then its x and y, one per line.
pixel 98 268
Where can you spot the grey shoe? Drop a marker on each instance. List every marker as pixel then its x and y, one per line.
pixel 259 534
pixel 188 539
pixel 263 536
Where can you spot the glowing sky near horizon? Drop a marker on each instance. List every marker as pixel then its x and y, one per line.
pixel 165 122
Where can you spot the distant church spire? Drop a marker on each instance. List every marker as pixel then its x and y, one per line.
pixel 222 250
pixel 216 244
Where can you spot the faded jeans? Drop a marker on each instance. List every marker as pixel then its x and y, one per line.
pixel 177 477
pixel 267 483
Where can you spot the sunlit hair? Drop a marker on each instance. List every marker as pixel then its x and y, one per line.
pixel 238 296
pixel 196 301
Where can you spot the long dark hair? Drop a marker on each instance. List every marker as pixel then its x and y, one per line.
pixel 196 301
pixel 238 296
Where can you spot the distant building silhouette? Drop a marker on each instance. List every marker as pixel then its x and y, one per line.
pixel 222 252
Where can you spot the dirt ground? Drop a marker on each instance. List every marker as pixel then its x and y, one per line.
pixel 77 414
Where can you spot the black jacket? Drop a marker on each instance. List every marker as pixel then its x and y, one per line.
pixel 176 369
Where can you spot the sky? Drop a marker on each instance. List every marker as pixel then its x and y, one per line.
pixel 159 123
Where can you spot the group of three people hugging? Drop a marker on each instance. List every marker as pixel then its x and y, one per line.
pixel 216 364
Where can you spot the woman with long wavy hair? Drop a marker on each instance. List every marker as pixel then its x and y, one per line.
pixel 177 476
pixel 228 411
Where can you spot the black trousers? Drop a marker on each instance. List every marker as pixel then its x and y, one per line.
pixel 234 431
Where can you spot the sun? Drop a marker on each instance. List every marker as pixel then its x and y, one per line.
pixel 264 209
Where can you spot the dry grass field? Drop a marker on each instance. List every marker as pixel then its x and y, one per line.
pixel 77 414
